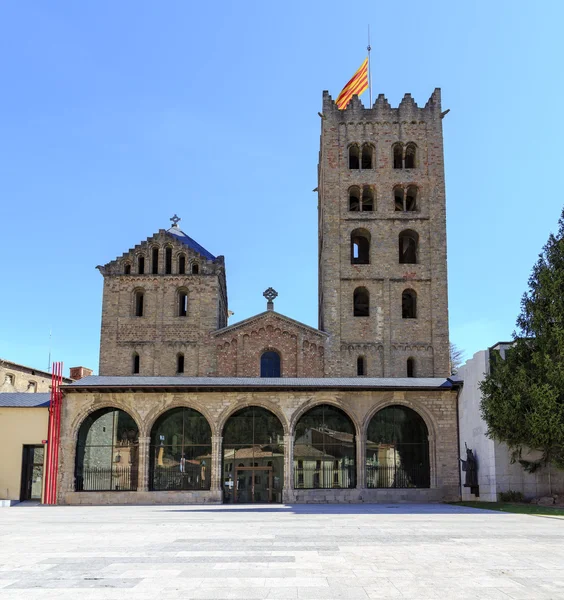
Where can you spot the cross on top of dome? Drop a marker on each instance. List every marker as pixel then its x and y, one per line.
pixel 175 219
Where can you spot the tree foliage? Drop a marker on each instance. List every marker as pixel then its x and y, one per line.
pixel 523 395
pixel 456 358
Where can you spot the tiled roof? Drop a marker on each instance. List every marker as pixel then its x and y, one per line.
pixel 33 371
pixel 25 400
pixel 188 241
pixel 137 382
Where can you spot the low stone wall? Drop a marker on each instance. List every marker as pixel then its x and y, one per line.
pixel 175 497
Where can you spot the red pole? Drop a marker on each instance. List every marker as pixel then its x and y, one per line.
pixel 49 453
pixel 57 429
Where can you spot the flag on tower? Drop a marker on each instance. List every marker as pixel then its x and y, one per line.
pixel 357 85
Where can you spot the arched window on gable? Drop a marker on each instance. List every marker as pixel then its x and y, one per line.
pixel 141 265
pixel 127 269
pixel 361 366
pixel 410 367
pixel 354 199
pixel 361 302
pixel 360 247
pixel 195 269
pixel 411 199
pixel 182 303
pixel 270 364
pixel 354 158
pixel 367 156
pixel 136 367
pixel 182 264
pixel 398 155
pixel 367 199
pixel 408 242
pixel 410 155
pixel 168 260
pixel 155 261
pixel 139 300
pixel 409 304
pixel 180 363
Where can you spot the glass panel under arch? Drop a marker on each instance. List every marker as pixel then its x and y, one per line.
pixel 324 450
pixel 107 452
pixel 253 457
pixel 180 451
pixel 397 450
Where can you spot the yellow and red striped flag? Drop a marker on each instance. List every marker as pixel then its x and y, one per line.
pixel 357 85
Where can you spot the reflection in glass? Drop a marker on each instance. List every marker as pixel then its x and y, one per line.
pixel 107 452
pixel 180 451
pixel 324 450
pixel 253 457
pixel 397 450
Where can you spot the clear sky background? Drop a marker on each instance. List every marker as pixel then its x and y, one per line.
pixel 116 115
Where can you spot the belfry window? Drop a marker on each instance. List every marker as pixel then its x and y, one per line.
pixel 354 199
pixel 398 199
pixel 361 302
pixel 367 156
pixel 180 363
pixel 411 199
pixel 354 158
pixel 168 261
pixel 398 155
pixel 410 367
pixel 410 151
pixel 182 303
pixel 139 303
pixel 408 242
pixel 127 269
pixel 155 261
pixel 361 366
pixel 141 265
pixel 409 304
pixel 360 247
pixel 136 364
pixel 195 269
pixel 182 265
pixel 367 199
pixel 270 364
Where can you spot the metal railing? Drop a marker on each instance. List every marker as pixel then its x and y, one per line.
pixel 417 476
pixel 325 477
pixel 193 477
pixel 102 479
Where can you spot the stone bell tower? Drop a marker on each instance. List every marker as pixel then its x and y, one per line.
pixel 382 239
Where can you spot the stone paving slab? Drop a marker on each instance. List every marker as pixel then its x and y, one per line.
pixel 315 552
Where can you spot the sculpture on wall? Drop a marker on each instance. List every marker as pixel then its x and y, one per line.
pixel 470 467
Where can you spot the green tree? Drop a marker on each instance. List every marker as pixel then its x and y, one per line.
pixel 523 395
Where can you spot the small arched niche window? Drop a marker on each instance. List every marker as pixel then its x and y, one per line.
pixel 360 247
pixel 410 155
pixel 180 363
pixel 410 367
pixel 361 302
pixel 411 199
pixel 367 156
pixel 409 304
pixel 399 199
pixel 354 199
pixel 182 303
pixel 361 366
pixel 397 150
pixel 155 261
pixel 136 367
pixel 195 269
pixel 168 260
pixel 367 199
pixel 141 265
pixel 270 364
pixel 127 269
pixel 182 264
pixel 354 158
pixel 139 299
pixel 408 242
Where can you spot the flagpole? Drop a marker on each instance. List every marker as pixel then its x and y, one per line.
pixel 369 71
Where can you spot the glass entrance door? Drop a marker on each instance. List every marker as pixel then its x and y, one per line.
pixel 254 484
pixel 32 473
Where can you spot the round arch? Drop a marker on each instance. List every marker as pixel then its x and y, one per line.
pixel 234 408
pixel 83 415
pixel 159 411
pixel 298 414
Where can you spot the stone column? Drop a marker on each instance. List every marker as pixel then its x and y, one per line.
pixel 288 490
pixel 360 462
pixel 217 443
pixel 143 465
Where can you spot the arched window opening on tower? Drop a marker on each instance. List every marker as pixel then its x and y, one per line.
pixel 367 154
pixel 195 269
pixel 354 159
pixel 361 302
pixel 354 199
pixel 168 261
pixel 141 265
pixel 270 364
pixel 361 366
pixel 410 152
pixel 360 247
pixel 180 363
pixel 127 269
pixel 411 199
pixel 136 364
pixel 398 199
pixel 367 199
pixel 408 241
pixel 182 303
pixel 139 303
pixel 409 304
pixel 398 156
pixel 411 367
pixel 182 265
pixel 155 261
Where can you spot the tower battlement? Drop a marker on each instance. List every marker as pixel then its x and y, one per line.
pixel 382 111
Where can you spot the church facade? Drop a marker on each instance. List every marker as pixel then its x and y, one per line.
pixel 189 409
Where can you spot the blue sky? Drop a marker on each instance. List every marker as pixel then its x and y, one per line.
pixel 116 115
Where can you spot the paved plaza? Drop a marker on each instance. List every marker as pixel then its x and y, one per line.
pixel 321 552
